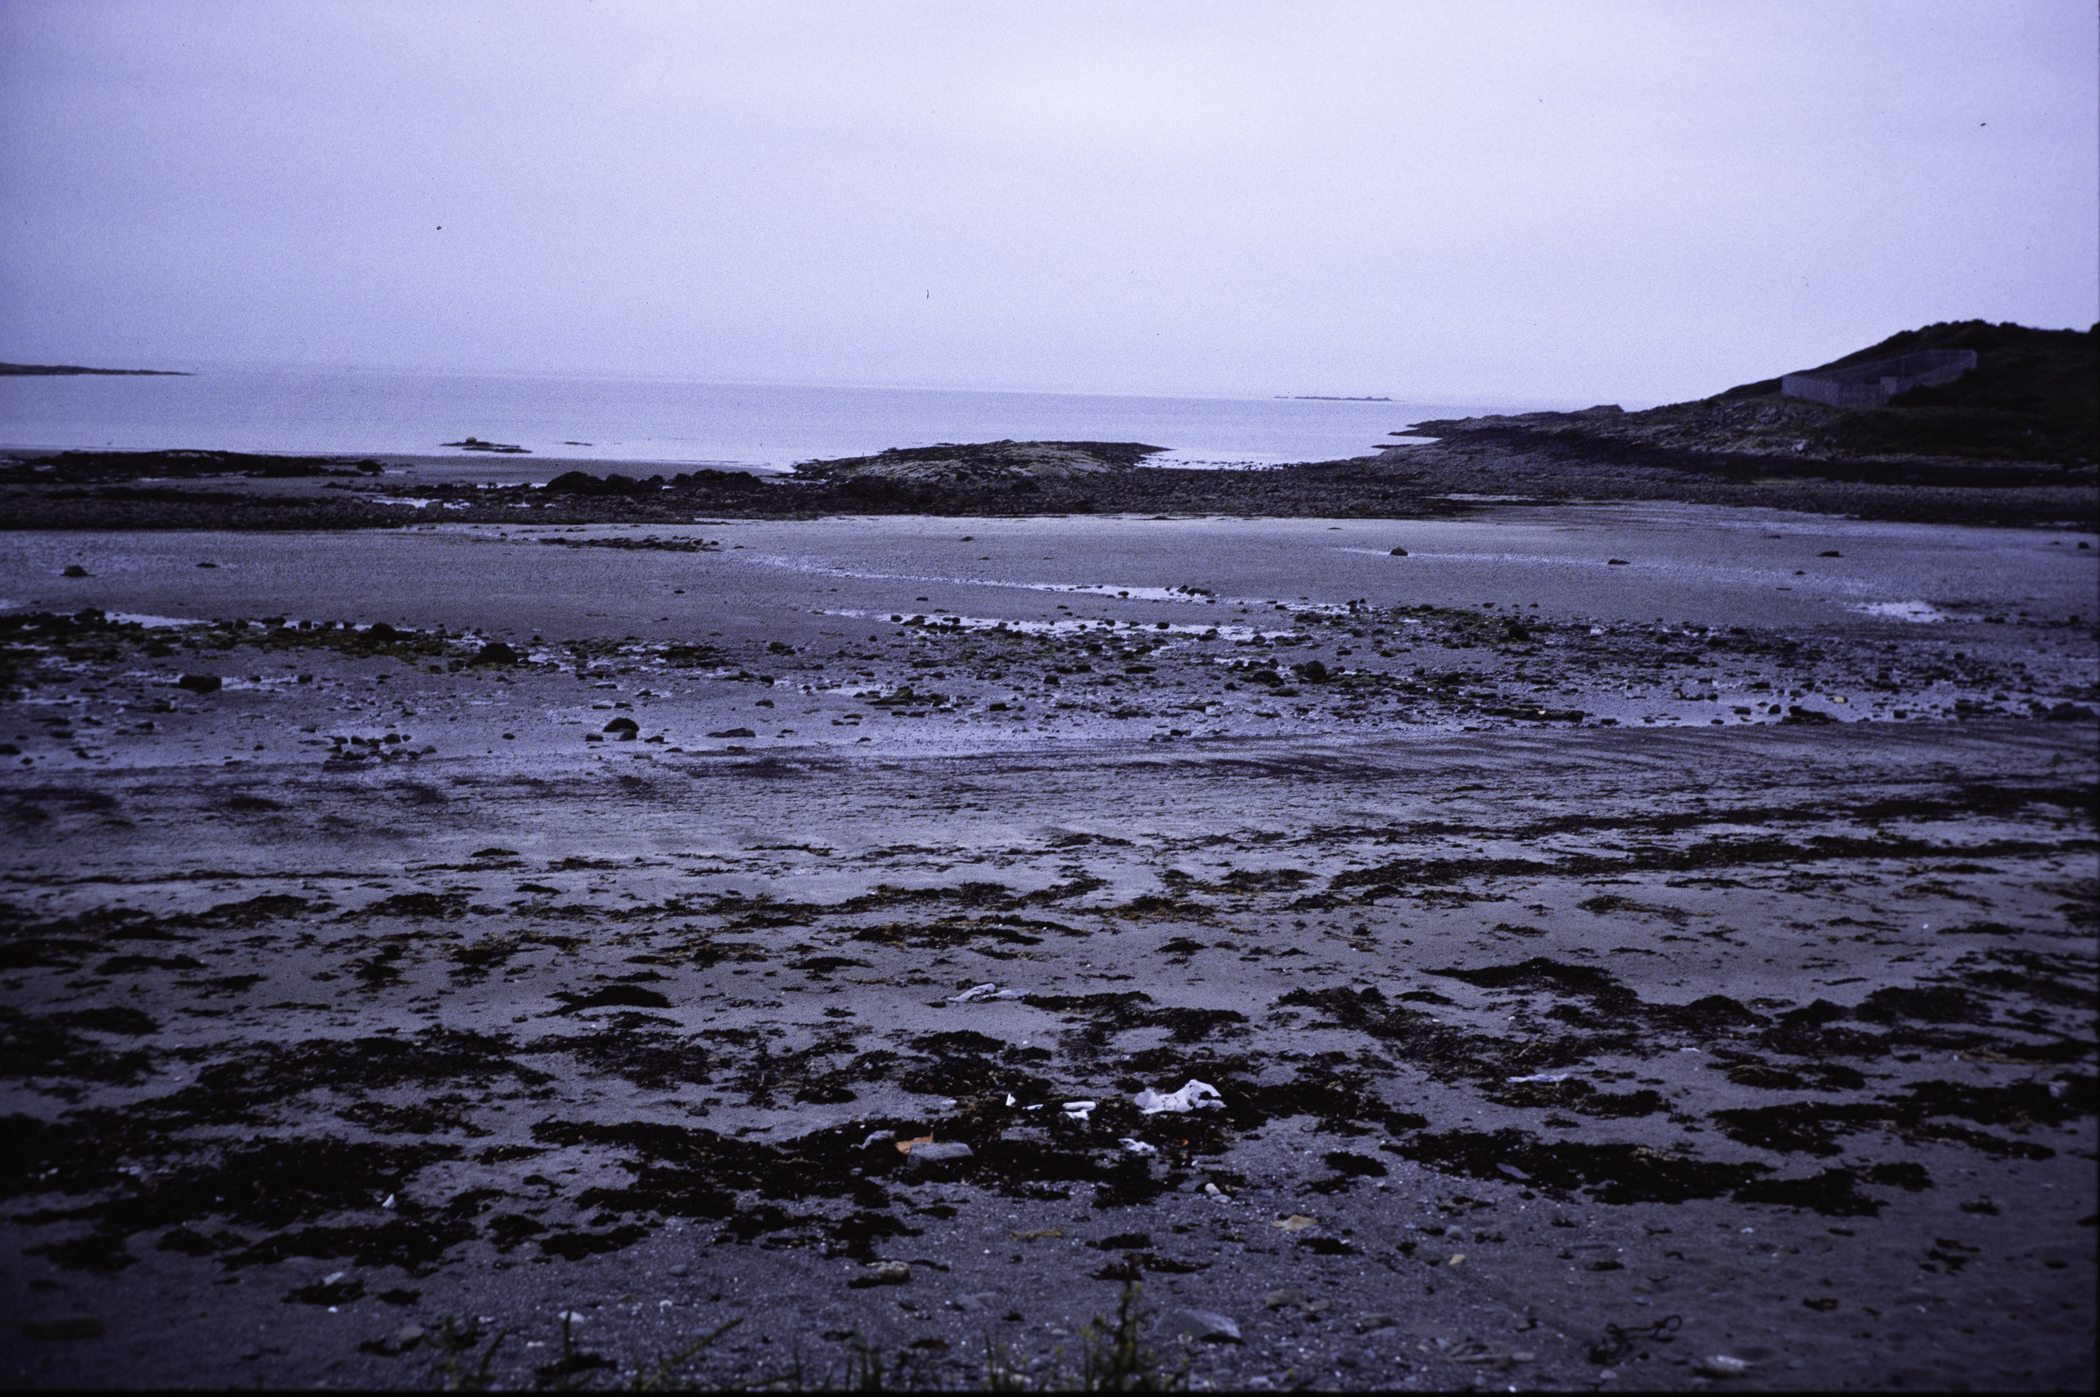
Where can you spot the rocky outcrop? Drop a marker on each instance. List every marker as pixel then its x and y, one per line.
pixel 2026 414
pixel 93 467
pixel 984 463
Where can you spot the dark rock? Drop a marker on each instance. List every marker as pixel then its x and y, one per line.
pixel 76 570
pixel 58 1330
pixel 737 481
pixel 613 997
pixel 199 683
pixel 579 483
pixel 496 653
pixel 625 727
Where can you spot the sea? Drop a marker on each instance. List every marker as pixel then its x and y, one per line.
pixel 664 421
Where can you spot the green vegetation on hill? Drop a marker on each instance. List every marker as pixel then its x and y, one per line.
pixel 2034 395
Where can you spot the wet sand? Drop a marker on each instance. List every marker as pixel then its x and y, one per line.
pixel 1602 967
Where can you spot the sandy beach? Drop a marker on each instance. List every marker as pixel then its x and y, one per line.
pixel 1602 969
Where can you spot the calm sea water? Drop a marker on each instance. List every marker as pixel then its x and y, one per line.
pixel 660 420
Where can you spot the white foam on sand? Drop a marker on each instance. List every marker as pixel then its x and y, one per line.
pixel 126 617
pixel 936 621
pixel 1906 611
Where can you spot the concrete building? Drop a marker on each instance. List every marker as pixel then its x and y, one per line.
pixel 1873 383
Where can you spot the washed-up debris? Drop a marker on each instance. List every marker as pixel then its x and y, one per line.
pixel 1204 1326
pixel 1079 1110
pixel 1474 1352
pixel 1296 1222
pixel 1138 1146
pixel 1618 1342
pixel 876 1137
pixel 1216 1194
pixel 1721 1365
pixel 1292 1298
pixel 1038 1234
pixel 1542 1077
pixel 889 1272
pixel 1191 1096
pixel 1515 1173
pixel 987 990
pixel 905 1146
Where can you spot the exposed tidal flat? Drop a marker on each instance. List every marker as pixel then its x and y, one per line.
pixel 1619 937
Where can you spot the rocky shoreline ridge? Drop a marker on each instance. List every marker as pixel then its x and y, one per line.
pixel 1774 455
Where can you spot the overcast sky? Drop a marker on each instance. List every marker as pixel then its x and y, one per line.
pixel 1630 202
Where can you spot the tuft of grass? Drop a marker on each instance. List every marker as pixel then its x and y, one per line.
pixel 665 1367
pixel 455 1346
pixel 1113 1357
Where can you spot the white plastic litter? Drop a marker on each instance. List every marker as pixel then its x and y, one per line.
pixel 988 990
pixel 1080 1110
pixel 1137 1146
pixel 1191 1097
pixel 878 1136
pixel 1542 1077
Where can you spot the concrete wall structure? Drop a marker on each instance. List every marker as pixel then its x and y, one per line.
pixel 1873 383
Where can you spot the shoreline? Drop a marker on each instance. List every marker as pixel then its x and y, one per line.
pixel 1432 480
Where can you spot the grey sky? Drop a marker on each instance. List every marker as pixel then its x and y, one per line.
pixel 1625 201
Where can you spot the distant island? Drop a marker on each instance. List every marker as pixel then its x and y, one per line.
pixel 1327 398
pixel 26 369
